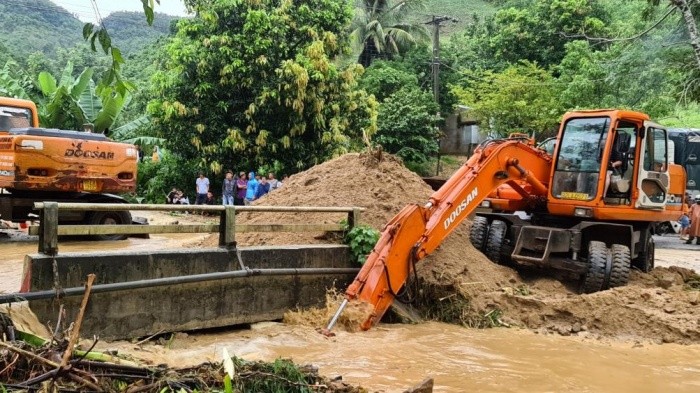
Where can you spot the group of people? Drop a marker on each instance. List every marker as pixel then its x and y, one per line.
pixel 240 189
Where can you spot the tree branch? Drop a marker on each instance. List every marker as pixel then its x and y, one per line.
pixel 634 37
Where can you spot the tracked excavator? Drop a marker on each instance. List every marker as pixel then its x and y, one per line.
pixel 588 207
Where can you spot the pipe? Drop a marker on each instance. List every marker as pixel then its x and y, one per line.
pixel 121 286
pixel 337 315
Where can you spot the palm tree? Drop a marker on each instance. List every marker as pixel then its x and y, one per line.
pixel 381 30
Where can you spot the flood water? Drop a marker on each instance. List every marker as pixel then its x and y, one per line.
pixel 391 358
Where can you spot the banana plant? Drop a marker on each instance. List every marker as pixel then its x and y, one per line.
pixel 61 108
pixel 71 103
pixel 129 133
pixel 14 82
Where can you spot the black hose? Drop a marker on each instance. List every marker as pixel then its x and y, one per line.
pixel 120 286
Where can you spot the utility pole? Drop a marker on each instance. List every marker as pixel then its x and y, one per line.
pixel 435 65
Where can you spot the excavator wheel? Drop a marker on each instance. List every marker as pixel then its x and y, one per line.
pixel 478 232
pixel 109 218
pixel 594 279
pixel 620 269
pixel 645 259
pixel 494 240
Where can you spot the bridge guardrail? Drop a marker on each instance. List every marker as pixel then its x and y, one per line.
pixel 49 228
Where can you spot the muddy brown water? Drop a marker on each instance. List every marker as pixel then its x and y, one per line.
pixel 392 357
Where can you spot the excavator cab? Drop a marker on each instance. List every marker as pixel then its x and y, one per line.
pixel 16 113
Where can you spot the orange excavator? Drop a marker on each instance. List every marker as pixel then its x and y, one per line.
pixel 587 207
pixel 39 164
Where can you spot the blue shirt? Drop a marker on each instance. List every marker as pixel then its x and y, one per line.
pixel 252 189
pixel 262 190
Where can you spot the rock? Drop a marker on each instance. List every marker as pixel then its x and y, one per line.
pixel 426 386
pixel 668 280
pixel 576 328
pixel 694 299
pixel 669 309
pixel 564 330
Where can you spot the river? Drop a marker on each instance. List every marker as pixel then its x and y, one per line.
pixel 393 357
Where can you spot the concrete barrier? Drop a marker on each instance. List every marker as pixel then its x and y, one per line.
pixel 188 306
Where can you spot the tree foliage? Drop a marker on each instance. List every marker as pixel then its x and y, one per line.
pixel 407 125
pixel 522 98
pixel 253 81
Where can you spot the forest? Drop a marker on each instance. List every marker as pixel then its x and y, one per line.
pixel 281 85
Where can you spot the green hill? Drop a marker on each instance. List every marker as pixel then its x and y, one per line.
pixel 131 33
pixel 29 26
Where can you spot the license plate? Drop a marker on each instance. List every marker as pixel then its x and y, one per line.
pixel 90 185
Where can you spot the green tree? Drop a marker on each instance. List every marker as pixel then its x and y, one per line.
pixel 534 30
pixel 522 98
pixel 381 28
pixel 407 125
pixel 251 82
pixel 623 76
pixel 382 79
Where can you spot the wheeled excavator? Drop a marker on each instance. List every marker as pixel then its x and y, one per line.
pixel 588 206
pixel 40 164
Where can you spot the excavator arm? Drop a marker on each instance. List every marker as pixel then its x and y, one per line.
pixel 418 230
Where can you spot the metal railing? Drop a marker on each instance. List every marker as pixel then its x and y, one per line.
pixel 49 229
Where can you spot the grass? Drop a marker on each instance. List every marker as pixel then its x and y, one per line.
pixel 445 304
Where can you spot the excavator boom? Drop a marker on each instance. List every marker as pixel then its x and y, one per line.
pixel 418 230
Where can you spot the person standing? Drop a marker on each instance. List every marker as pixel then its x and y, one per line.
pixel 228 189
pixel 241 188
pixel 263 188
pixel 694 231
pixel 202 186
pixel 274 183
pixel 156 156
pixel 252 188
pixel 139 152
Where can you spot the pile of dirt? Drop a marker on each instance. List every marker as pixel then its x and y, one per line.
pixel 383 188
pixel 660 307
pixel 460 284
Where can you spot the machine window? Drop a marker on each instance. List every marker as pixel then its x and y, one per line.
pixel 580 158
pixel 656 151
pixel 11 117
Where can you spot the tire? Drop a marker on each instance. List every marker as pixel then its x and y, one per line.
pixel 662 228
pixel 109 218
pixel 478 232
pixel 620 269
pixel 494 240
pixel 645 258
pixel 594 278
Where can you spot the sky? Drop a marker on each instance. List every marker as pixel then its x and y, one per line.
pixel 84 11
